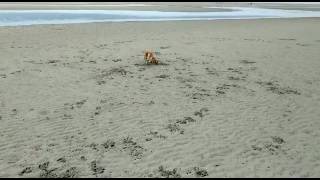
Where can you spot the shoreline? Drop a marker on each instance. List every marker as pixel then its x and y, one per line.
pixel 246 20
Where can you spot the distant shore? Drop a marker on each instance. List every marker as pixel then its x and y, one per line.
pixel 161 6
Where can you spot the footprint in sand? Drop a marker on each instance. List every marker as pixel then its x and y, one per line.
pixel 135 150
pixel 198 172
pixel 96 169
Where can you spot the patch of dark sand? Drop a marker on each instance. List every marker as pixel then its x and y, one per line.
pixel 185 120
pixel 47 173
pixel 168 173
pixel 274 87
pixel 234 78
pixel 247 62
pixel 135 150
pixel 223 88
pixel 72 172
pixel 201 112
pixel 117 60
pixel 173 127
pixel 53 61
pixel 163 76
pixel 198 172
pixel 155 134
pixel 26 170
pixel 109 144
pixel 273 146
pixel 79 104
pixel 199 95
pixel 287 39
pixel 303 44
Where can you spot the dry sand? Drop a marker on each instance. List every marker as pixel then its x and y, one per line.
pixel 232 98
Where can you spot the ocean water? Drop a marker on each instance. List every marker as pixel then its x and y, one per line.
pixel 32 17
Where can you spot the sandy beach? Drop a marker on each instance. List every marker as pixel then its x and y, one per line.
pixel 230 98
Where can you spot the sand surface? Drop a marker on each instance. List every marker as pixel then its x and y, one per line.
pixel 233 98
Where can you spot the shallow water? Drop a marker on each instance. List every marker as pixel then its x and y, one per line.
pixel 31 17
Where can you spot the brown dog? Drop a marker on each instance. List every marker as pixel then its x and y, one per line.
pixel 150 57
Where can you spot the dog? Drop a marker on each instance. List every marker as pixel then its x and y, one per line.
pixel 150 57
